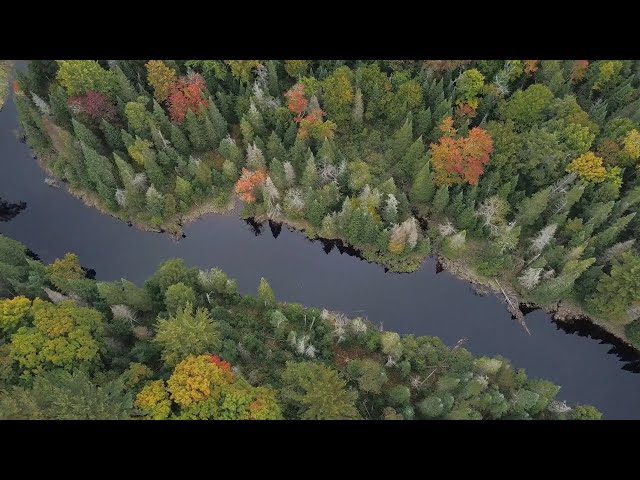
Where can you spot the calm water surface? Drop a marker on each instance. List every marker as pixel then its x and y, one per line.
pixel 51 222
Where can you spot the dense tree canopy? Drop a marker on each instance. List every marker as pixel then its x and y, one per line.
pixel 125 354
pixel 525 170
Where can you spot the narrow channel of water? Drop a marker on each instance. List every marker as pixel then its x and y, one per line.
pixel 51 222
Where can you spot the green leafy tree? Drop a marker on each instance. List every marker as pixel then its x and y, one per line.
pixel 79 76
pixel 316 392
pixel 188 332
pixel 61 336
pixel 337 92
pixel 178 296
pixel 618 292
pixel 527 107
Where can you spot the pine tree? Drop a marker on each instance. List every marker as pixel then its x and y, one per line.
pixel 161 120
pixel 531 208
pixel 423 188
pixel 355 227
pixel 608 237
pixel 265 293
pixel 154 172
pixel 440 201
pixel 230 171
pixel 127 138
pixel 247 131
pixel 310 174
pixel 277 174
pixel 413 160
pixel 275 148
pixel 99 169
pixel 619 291
pixel 401 141
pixel 184 191
pixel 358 108
pixel 112 135
pixel 390 211
pixel 272 76
pixel 59 108
pixel 86 136
pixel 125 90
pixel 219 123
pixel 179 140
pixel 422 123
pixel 125 170
pixel 155 203
pixel 255 158
pixel 196 132
pixel 329 227
pixel 169 209
pixel 230 151
pixel 290 135
pixel 257 122
pixel 212 137
pixel 558 287
pixel 314 212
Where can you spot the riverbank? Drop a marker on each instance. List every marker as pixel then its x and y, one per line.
pixel 5 73
pixel 563 311
pixel 405 263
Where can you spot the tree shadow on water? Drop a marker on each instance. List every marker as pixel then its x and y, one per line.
pixel 8 211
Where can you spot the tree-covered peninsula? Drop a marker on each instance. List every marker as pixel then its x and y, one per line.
pixel 524 171
pixel 188 345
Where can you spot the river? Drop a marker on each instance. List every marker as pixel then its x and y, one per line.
pixel 51 222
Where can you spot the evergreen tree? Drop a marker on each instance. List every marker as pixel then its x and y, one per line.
pixel 184 191
pixel 155 203
pixel 277 174
pixel 440 201
pixel 99 169
pixel 112 135
pixel 154 172
pixel 196 132
pixel 86 136
pixel 619 291
pixel 413 160
pixel 558 287
pixel 179 140
pixel 401 141
pixel 230 151
pixel 265 293
pixel 275 149
pixel 530 209
pixel 423 188
pixel 310 174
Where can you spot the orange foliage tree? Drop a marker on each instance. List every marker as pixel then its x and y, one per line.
pixel 460 160
pixel 296 101
pixel 579 70
pixel 247 183
pixel 313 126
pixel 531 66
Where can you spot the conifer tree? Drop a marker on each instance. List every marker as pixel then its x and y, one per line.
pixel 440 200
pixel 179 140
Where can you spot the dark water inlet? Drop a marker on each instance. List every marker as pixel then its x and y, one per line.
pixel 589 365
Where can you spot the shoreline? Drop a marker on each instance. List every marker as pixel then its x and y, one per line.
pixel 563 311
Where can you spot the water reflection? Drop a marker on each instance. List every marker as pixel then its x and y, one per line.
pixel 8 210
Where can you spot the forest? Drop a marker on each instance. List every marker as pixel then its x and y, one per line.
pixel 524 171
pixel 188 345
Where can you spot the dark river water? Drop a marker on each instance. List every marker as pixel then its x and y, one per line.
pixel 51 222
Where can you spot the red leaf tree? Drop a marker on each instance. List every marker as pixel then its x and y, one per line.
pixel 460 160
pixel 185 95
pixel 94 104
